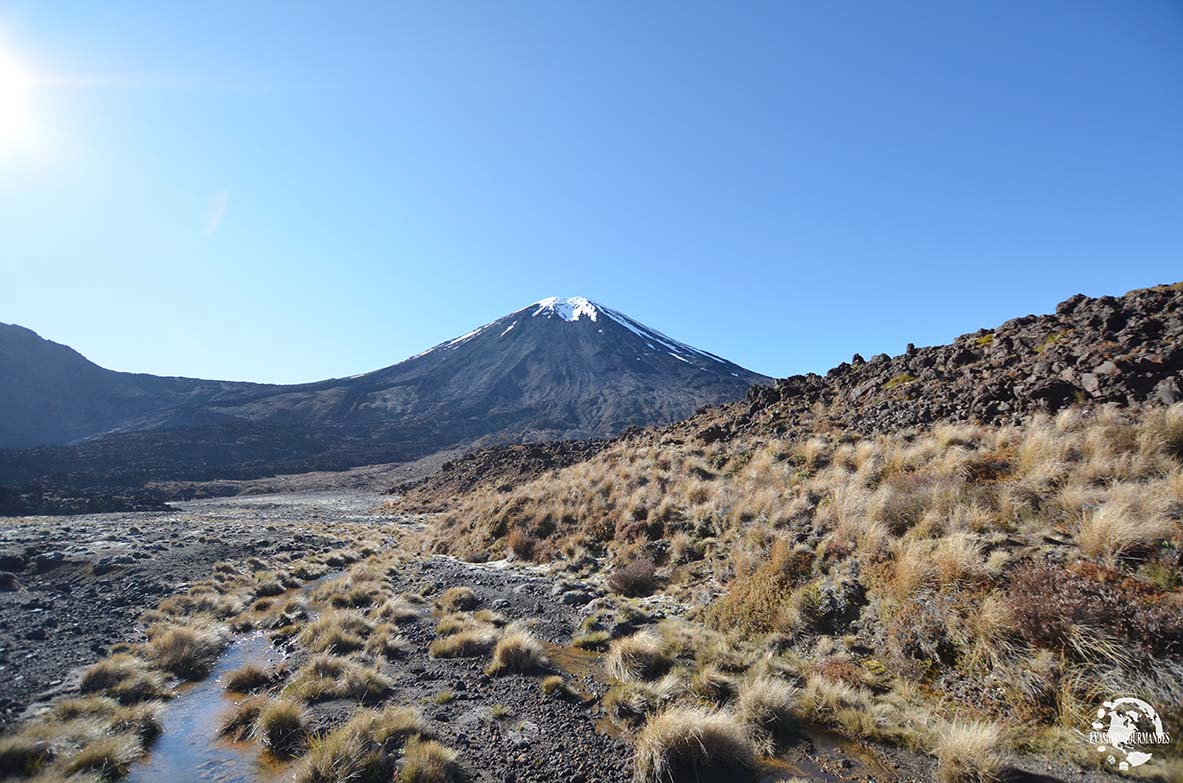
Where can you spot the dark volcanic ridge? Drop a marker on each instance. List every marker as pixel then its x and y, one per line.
pixel 1125 350
pixel 557 369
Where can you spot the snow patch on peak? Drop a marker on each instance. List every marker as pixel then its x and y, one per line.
pixel 569 308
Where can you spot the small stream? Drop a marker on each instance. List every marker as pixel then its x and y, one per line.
pixel 189 748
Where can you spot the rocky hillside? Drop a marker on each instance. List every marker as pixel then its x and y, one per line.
pixel 557 369
pixel 1124 350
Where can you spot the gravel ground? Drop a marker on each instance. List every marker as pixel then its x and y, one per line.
pixel 541 738
pixel 70 587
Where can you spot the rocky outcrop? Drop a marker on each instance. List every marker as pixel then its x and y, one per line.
pixel 1125 350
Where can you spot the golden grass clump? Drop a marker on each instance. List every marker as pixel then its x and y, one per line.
pixel 824 700
pixel 362 748
pixel 200 602
pixel 474 640
pixel 693 744
pixel 712 685
pixel 629 703
pixel 385 641
pixel 268 585
pixel 239 722
pixel 457 599
pixel 141 719
pixel 280 727
pixel 592 640
pixel 637 657
pixel 186 651
pixel 86 738
pixel 352 591
pixel 766 707
pixel 398 610
pixel 109 757
pixel 427 761
pixel 248 679
pixel 554 685
pixel 1117 529
pixel 968 752
pixel 1163 428
pixel 338 631
pixel 396 724
pixel 517 651
pixel 125 678
pixel 456 622
pixel 21 755
pixel 329 676
pixel 333 757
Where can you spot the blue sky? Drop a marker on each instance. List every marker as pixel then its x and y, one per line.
pixel 293 191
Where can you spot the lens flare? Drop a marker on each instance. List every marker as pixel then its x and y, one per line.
pixel 15 125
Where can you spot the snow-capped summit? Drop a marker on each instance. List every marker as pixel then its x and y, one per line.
pixel 569 308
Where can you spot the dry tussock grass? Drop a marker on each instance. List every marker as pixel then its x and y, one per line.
pixel 363 748
pixel 186 651
pixel 869 567
pixel 399 610
pixel 427 761
pixel 463 637
pixel 638 657
pixel 457 599
pixel 517 651
pixel 280 727
pixel 629 703
pixel 239 722
pixel 107 757
pixel 968 753
pixel 767 709
pixel 339 631
pixel 328 676
pixel 248 679
pixel 125 678
pixel 692 743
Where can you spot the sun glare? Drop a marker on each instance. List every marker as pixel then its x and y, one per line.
pixel 14 113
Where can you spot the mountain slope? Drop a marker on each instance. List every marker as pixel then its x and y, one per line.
pixel 50 393
pixel 559 368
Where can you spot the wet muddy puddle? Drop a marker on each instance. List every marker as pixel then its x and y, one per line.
pixel 189 747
